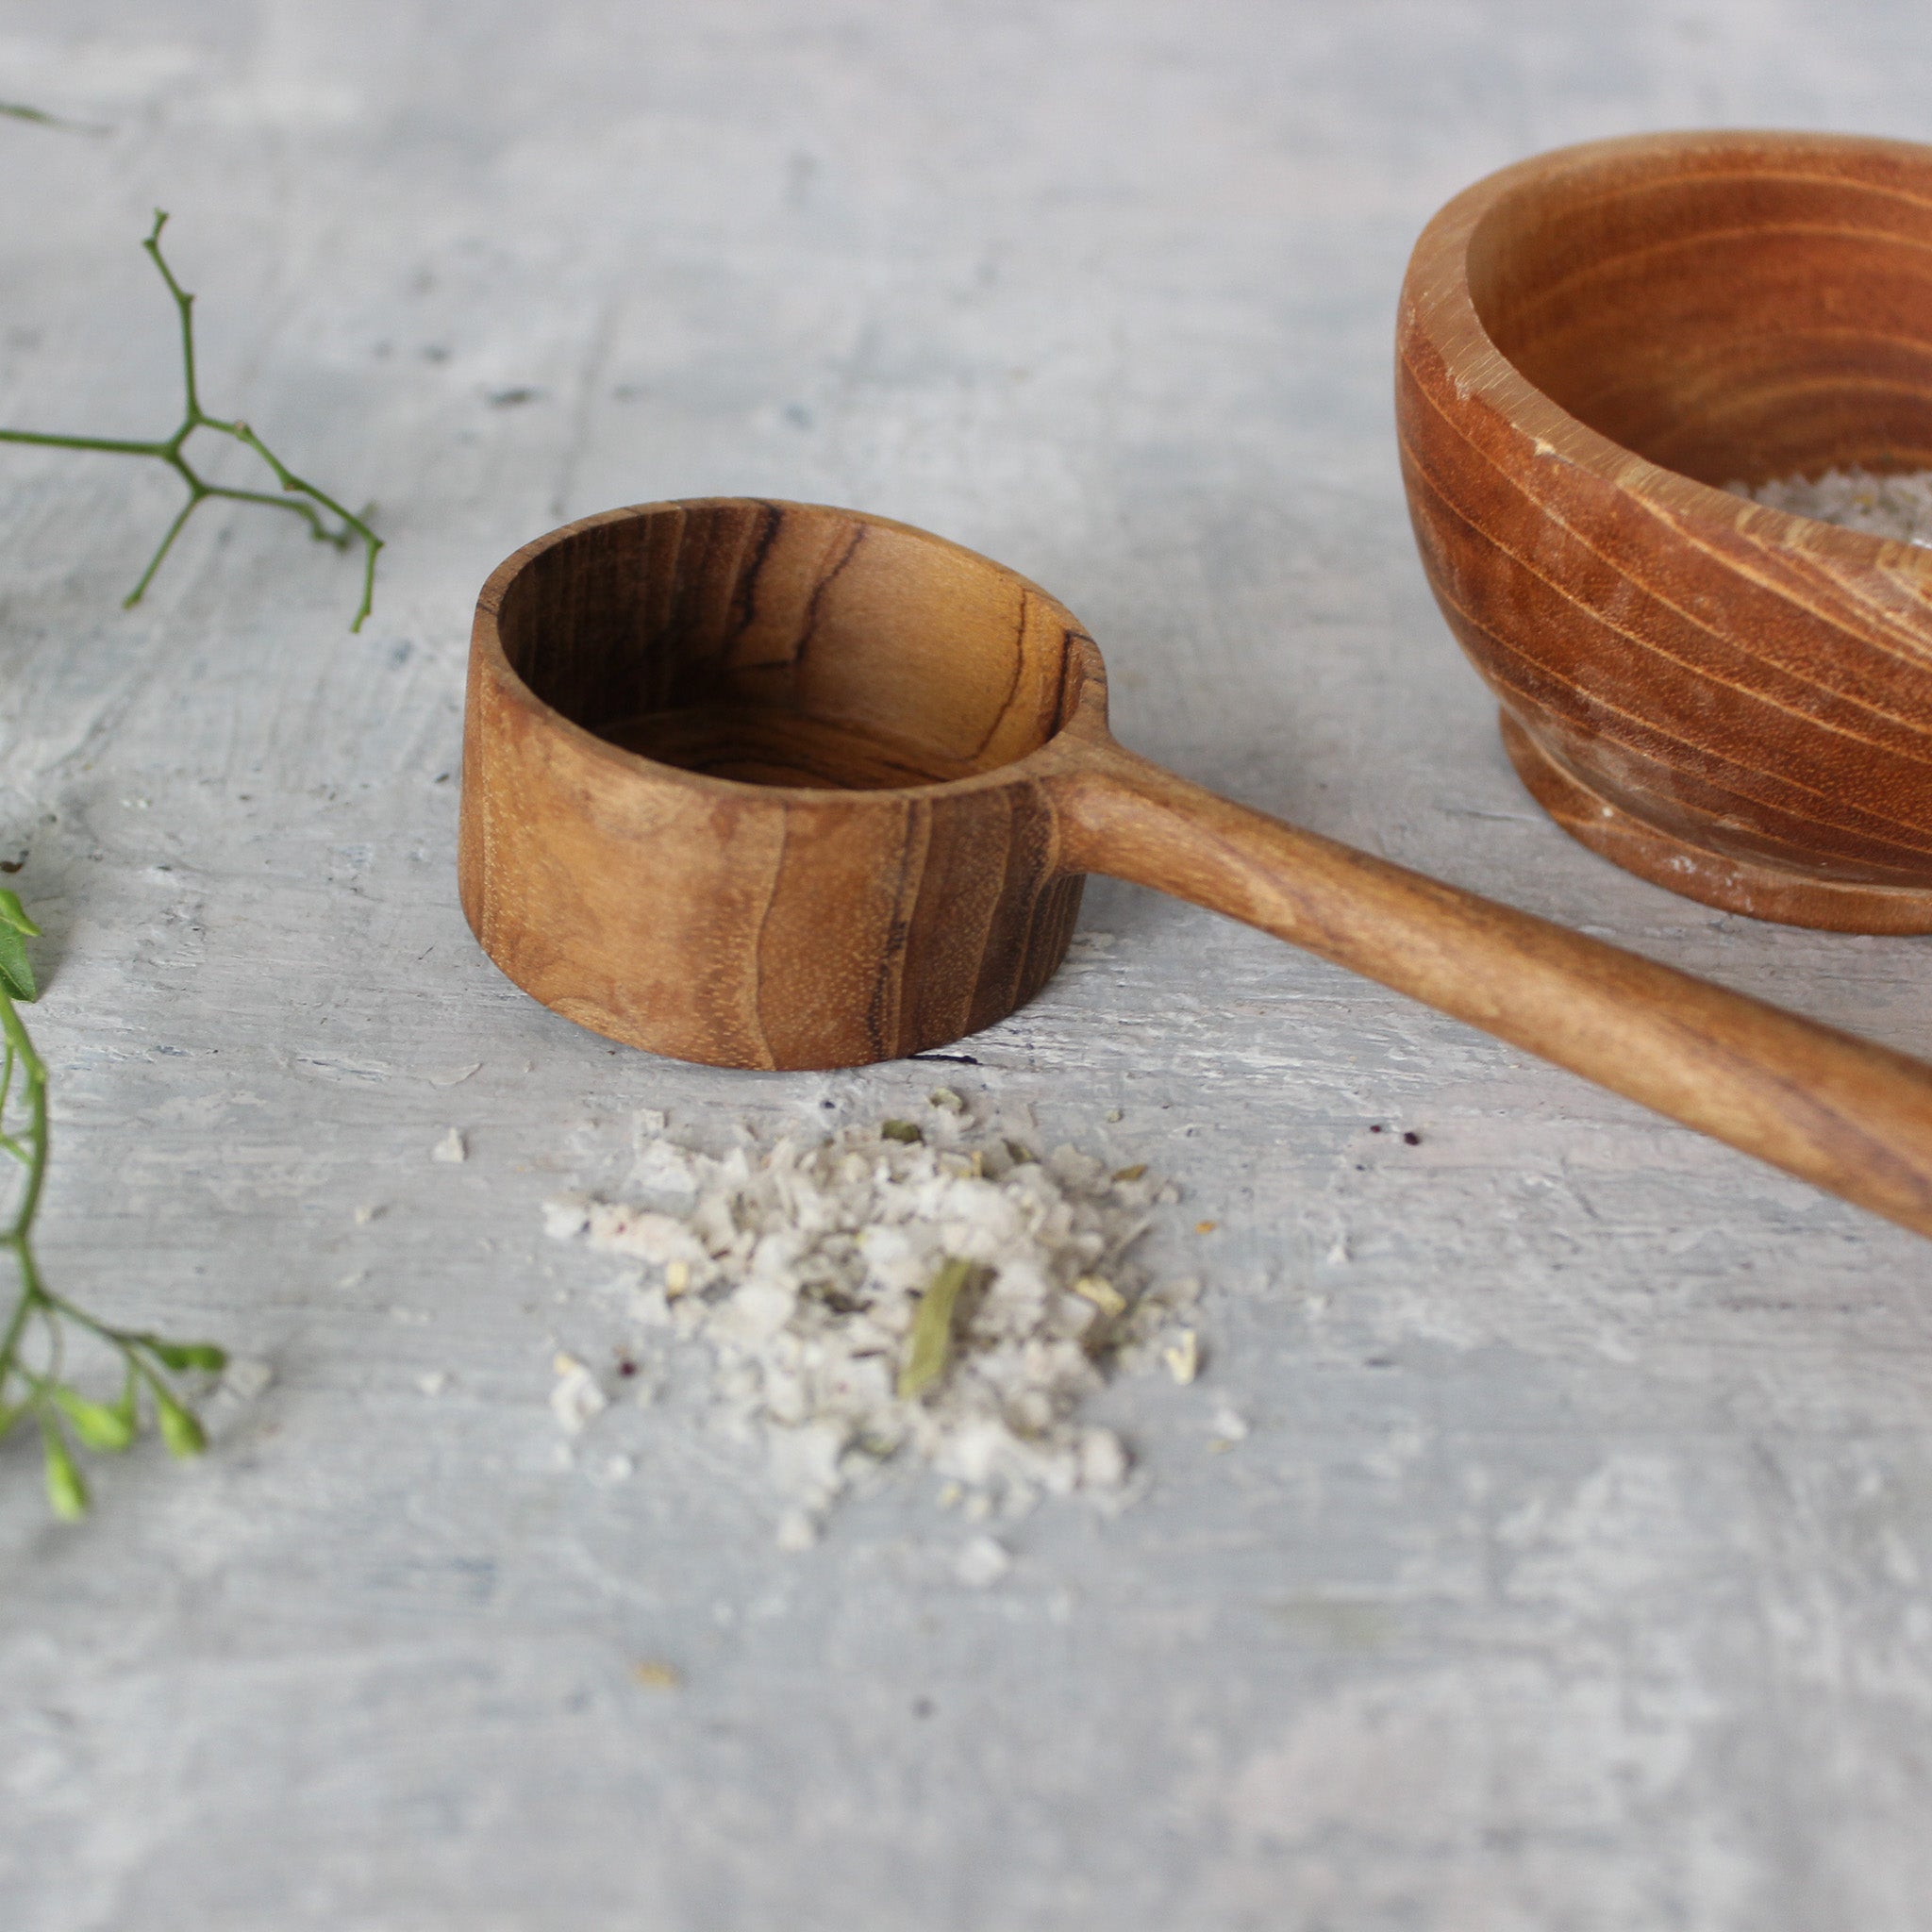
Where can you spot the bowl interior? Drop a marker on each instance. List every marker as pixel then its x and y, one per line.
pixel 1735 313
pixel 787 644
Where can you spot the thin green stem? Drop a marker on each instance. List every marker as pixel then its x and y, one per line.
pixel 154 562
pixel 17 1236
pixel 113 445
pixel 9 1341
pixel 184 303
pixel 338 540
pixel 121 1337
pixel 45 1393
pixel 354 528
pixel 36 1074
pixel 57 1344
pixel 372 543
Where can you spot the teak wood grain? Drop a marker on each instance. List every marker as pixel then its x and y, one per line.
pixel 776 785
pixel 1734 702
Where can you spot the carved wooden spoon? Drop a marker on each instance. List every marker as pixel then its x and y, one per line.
pixel 773 785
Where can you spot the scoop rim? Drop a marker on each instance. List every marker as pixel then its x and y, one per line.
pixel 1083 674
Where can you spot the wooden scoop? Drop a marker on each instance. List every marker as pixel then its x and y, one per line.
pixel 771 784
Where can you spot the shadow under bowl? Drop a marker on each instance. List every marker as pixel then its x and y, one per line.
pixel 1725 698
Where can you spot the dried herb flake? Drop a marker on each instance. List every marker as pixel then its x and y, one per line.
pixel 931 1353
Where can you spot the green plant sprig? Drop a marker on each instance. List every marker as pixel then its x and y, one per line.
pixel 147 1360
pixel 303 498
pixel 19 110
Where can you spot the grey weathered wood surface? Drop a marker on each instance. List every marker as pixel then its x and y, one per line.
pixel 1574 1574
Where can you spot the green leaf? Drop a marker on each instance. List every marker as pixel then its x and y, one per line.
pixel 180 1430
pixel 16 968
pixel 14 914
pixel 66 1492
pixel 185 1354
pixel 901 1130
pixel 94 1423
pixel 931 1353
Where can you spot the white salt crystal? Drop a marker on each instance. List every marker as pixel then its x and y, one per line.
pixel 452 1147
pixel 756 1312
pixel 1072 1169
pixel 663 1168
pixel 1894 506
pixel 575 1400
pixel 656 1238
pixel 803 1266
pixel 1102 1460
pixel 796 1531
pixel 975 1450
pixel 433 1383
pixel 566 1216
pixel 981 1563
pixel 652 1307
pixel 804 1461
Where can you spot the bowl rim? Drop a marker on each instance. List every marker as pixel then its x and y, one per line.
pixel 1436 305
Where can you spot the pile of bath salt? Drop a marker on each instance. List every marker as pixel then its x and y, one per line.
pixel 807 1269
pixel 1898 506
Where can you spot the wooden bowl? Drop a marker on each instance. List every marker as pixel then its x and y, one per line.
pixel 1731 701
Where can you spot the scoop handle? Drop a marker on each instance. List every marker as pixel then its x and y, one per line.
pixel 1847 1116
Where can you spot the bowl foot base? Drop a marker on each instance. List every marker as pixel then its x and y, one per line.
pixel 1735 885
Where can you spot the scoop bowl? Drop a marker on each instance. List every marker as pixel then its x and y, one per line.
pixel 759 784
